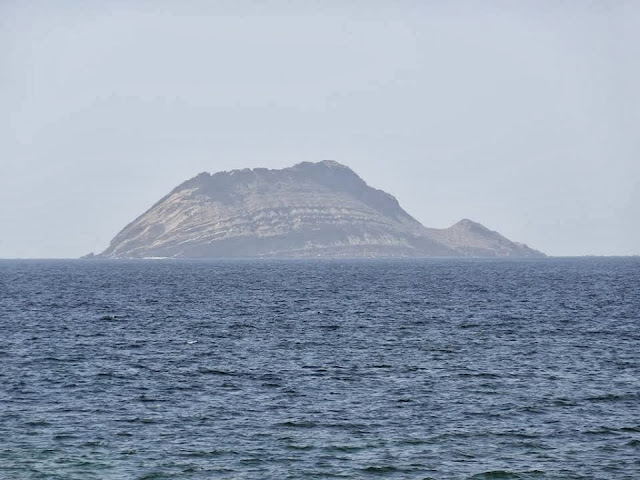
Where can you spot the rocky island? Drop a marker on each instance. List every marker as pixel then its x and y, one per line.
pixel 319 209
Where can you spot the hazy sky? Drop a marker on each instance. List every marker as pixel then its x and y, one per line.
pixel 524 116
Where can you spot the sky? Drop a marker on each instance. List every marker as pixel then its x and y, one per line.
pixel 523 116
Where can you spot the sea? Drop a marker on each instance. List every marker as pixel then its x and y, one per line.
pixel 305 369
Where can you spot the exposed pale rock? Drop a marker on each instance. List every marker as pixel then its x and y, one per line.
pixel 311 209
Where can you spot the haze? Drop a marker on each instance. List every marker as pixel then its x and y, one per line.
pixel 520 115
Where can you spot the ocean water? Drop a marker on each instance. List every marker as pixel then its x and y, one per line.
pixel 407 369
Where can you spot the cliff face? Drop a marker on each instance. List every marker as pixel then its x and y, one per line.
pixel 308 210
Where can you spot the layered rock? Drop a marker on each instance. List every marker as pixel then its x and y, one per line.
pixel 309 210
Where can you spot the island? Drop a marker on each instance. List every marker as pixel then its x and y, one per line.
pixel 321 209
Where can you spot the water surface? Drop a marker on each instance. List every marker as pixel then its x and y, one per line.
pixel 442 369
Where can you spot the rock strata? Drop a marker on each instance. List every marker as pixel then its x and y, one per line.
pixel 309 210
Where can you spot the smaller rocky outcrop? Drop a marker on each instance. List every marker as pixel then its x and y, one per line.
pixel 471 239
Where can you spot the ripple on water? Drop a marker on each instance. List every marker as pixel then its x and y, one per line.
pixel 343 369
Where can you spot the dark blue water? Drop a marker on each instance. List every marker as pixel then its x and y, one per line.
pixel 443 369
